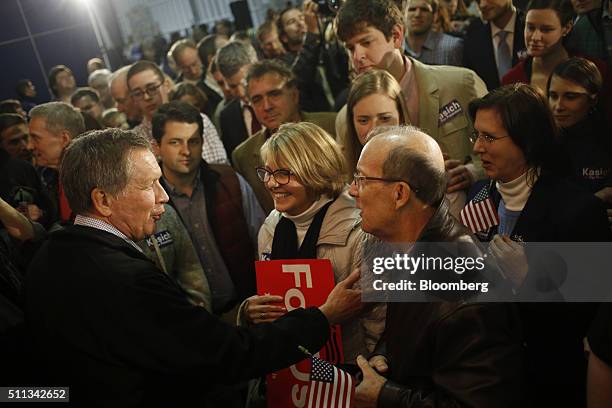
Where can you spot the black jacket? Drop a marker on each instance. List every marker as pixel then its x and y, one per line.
pixel 232 127
pixel 20 182
pixel 589 146
pixel 120 332
pixel 479 55
pixel 452 354
pixel 557 210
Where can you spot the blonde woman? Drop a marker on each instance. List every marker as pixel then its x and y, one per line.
pixel 314 218
pixel 375 99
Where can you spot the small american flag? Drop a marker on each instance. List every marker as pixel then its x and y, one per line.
pixel 329 387
pixel 480 214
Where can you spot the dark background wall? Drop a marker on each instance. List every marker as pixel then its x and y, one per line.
pixel 38 34
pixel 35 35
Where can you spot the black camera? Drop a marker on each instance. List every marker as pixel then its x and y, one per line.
pixel 328 7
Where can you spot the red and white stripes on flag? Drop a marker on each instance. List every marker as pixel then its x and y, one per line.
pixel 329 386
pixel 480 213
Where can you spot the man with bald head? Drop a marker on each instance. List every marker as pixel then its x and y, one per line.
pixel 121 94
pixel 446 353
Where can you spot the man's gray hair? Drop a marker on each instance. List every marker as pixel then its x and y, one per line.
pixel 98 159
pixel 60 116
pixel 99 74
pixel 233 56
pixel 415 165
pixel 120 73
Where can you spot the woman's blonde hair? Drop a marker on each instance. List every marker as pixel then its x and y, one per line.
pixel 309 152
pixel 369 83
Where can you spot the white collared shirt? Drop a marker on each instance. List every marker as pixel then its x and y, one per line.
pixel 509 38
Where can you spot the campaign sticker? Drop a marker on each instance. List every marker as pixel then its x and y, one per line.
pixel 449 111
pixel 163 238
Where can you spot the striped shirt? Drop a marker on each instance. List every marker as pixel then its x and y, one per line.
pixel 213 151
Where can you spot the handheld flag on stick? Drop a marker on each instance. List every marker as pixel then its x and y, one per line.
pixel 480 213
pixel 330 387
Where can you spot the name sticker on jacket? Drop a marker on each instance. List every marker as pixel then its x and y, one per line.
pixel 163 238
pixel 449 111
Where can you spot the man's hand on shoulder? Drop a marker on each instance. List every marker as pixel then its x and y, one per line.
pixel 343 301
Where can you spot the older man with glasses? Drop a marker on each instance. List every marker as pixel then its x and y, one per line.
pixel 449 352
pixel 149 89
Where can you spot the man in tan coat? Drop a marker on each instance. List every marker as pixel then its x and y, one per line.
pixel 274 96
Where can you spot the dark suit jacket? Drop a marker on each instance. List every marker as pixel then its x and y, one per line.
pixel 120 332
pixel 232 127
pixel 478 53
pixel 557 210
pixel 213 98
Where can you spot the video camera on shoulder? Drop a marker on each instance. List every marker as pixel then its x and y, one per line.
pixel 328 7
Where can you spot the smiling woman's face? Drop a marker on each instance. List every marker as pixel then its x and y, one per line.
pixel 292 198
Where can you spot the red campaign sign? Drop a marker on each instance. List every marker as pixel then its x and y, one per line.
pixel 302 283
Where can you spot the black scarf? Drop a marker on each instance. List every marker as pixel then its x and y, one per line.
pixel 284 244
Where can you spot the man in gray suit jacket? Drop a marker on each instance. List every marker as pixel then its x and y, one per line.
pixel 273 94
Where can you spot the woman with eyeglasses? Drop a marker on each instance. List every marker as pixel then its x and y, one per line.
pixel 573 96
pixel 535 202
pixel 314 218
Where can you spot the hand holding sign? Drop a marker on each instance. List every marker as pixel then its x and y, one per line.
pixel 343 302
pixel 260 309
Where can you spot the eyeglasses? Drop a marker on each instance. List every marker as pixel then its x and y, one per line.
pixel 281 176
pixel 358 181
pixel 484 136
pixel 150 90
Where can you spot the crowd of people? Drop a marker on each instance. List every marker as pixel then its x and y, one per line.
pixel 133 209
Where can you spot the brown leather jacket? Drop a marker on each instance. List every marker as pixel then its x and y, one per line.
pixel 453 353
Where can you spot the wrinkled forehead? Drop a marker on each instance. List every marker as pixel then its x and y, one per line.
pixel 372 156
pixel 289 16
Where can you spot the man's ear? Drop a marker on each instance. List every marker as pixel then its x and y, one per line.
pixel 296 95
pixel 66 138
pixel 397 36
pixel 156 149
pixel 567 28
pixel 101 202
pixel 401 195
